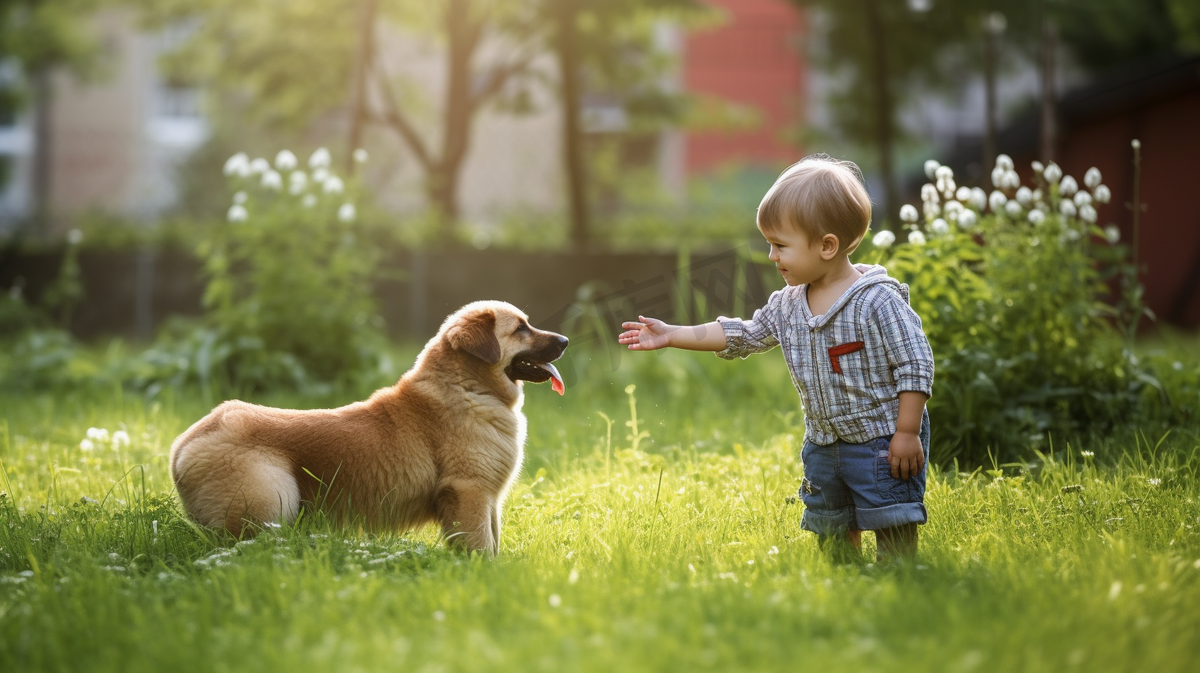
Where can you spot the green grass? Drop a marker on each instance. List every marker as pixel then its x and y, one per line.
pixel 682 553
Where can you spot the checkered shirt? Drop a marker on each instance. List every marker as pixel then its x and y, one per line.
pixel 850 364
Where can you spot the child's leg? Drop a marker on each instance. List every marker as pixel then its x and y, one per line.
pixel 828 504
pixel 896 542
pixel 845 547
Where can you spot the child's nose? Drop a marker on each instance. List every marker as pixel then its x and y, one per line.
pixel 774 254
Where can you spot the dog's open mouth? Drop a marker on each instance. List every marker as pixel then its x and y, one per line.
pixel 536 372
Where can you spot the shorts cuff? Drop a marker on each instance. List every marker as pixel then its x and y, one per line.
pixel 891 516
pixel 828 522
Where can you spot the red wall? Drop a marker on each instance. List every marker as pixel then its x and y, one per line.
pixel 754 58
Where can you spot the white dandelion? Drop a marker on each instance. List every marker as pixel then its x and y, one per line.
pixel 240 198
pixel 883 239
pixel 1036 216
pixel 939 227
pixel 1102 194
pixel 1067 207
pixel 97 434
pixel 297 182
pixel 87 445
pixel 1004 161
pixel 997 200
pixel 943 173
pixel 74 237
pixel 979 198
pixel 120 439
pixel 555 600
pixel 929 193
pixel 234 164
pixel 1011 180
pixel 319 158
pixel 1038 167
pixel 237 213
pixel 1025 196
pixel 1135 144
pixel 272 180
pixel 953 210
pixel 1092 177
pixel 286 161
pixel 931 167
pixel 1112 234
pixel 1068 186
pixel 998 177
pixel 1052 173
pixel 347 212
pixel 334 185
pixel 1082 198
pixel 908 213
pixel 963 194
pixel 916 237
pixel 1013 209
pixel 932 210
pixel 259 165
pixel 967 219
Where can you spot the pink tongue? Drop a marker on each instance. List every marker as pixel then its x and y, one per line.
pixel 556 381
pixel 557 385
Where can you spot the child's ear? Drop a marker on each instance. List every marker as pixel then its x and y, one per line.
pixel 829 246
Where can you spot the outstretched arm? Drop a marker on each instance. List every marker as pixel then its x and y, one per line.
pixel 650 334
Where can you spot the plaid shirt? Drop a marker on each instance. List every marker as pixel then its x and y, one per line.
pixel 850 364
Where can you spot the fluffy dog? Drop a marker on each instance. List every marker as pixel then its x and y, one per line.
pixel 444 444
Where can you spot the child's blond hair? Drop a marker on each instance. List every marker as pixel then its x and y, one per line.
pixel 819 195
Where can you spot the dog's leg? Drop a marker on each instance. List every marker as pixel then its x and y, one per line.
pixel 464 511
pixel 496 528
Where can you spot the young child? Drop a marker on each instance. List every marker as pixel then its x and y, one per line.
pixel 856 352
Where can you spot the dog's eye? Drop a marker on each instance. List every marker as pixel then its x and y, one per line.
pixel 521 328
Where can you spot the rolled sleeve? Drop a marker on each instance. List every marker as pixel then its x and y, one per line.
pixel 744 338
pixel 906 346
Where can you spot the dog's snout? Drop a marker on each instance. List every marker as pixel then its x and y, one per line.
pixel 562 340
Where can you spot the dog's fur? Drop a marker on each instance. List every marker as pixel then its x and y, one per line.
pixel 444 444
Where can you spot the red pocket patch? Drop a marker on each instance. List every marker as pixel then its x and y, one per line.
pixel 844 349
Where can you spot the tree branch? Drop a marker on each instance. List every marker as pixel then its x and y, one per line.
pixel 394 117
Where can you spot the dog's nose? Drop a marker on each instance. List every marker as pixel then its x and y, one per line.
pixel 563 341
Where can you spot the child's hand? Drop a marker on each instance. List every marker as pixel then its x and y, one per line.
pixel 647 335
pixel 906 455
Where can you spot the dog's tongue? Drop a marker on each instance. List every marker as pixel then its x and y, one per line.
pixel 556 381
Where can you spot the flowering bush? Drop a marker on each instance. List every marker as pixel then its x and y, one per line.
pixel 1014 287
pixel 288 273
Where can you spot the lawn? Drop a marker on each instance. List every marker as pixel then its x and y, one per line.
pixel 671 543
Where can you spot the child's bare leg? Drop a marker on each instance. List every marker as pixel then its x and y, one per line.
pixel 896 542
pixel 842 548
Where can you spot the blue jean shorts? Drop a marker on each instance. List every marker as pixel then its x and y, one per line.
pixel 850 485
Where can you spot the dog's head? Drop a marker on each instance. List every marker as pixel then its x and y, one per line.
pixel 499 335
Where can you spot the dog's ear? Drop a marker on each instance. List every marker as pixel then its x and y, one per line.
pixel 476 334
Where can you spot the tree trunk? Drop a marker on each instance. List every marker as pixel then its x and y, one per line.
pixel 568 61
pixel 463 32
pixel 358 108
pixel 1049 139
pixel 883 105
pixel 989 100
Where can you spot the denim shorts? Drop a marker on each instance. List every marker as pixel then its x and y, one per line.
pixel 849 485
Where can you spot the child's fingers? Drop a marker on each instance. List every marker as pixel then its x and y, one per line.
pixel 632 325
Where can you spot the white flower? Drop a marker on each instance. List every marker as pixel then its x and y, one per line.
pixel 1135 144
pixel 297 182
pixel 1024 196
pixel 97 434
pixel 259 165
pixel 309 200
pixel 883 239
pixel 74 237
pixel 285 160
pixel 1082 198
pixel 944 173
pixel 916 237
pixel 1068 186
pixel 87 445
pixel 240 198
pixel 360 155
pixel 1154 482
pixel 979 198
pixel 1102 194
pixel 946 186
pixel 1004 161
pixel 953 210
pixel 1087 454
pixel 939 226
pixel 966 219
pixel 320 175
pixel 998 177
pixel 1092 177
pixel 997 200
pixel 237 213
pixel 347 212
pixel 932 210
pixel 908 213
pixel 1112 234
pixel 334 185
pixel 963 194
pixel 1036 216
pixel 1011 180
pixel 120 438
pixel 272 180
pixel 1052 173
pixel 929 193
pixel 234 164
pixel 1038 167
pixel 1013 209
pixel 319 159
pixel 1071 234
pixel 1067 207
pixel 555 600
pixel 1087 213
pixel 931 167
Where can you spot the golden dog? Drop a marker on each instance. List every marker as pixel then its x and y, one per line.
pixel 444 444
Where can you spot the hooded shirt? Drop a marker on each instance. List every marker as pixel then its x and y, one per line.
pixel 849 364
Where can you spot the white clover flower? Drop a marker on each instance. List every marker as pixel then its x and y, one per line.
pixel 87 445
pixel 1036 216
pixel 360 155
pixel 347 212
pixel 297 182
pixel 1068 186
pixel 1087 213
pixel 1067 207
pixel 1092 177
pixel 97 434
pixel 963 194
pixel 998 177
pixel 932 210
pixel 1011 180
pixel 883 239
pixel 944 173
pixel 1087 454
pixel 120 438
pixel 979 198
pixel 309 200
pixel 272 180
pixel 1082 198
pixel 1112 234
pixel 1013 209
pixel 908 213
pixel 916 238
pixel 234 164
pixel 555 600
pixel 997 200
pixel 1025 196
pixel 1038 167
pixel 286 161
pixel 334 185
pixel 939 227
pixel 240 198
pixel 237 213
pixel 967 219
pixel 1153 481
pixel 319 159
pixel 74 237
pixel 1004 161
pixel 931 167
pixel 259 165
pixel 1102 194
pixel 929 193
pixel 1135 144
pixel 953 210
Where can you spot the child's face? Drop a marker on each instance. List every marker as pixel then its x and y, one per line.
pixel 798 260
